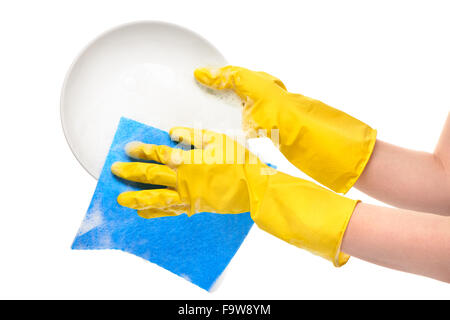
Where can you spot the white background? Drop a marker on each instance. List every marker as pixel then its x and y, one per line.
pixel 385 62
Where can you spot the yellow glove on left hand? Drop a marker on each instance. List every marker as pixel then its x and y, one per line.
pixel 222 176
pixel 210 178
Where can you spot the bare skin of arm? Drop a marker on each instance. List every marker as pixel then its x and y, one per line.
pixel 404 240
pixel 410 179
pixel 411 241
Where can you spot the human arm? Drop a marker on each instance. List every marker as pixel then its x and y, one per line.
pixel 404 240
pixel 410 179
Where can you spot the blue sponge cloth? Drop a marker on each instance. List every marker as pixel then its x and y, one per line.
pixel 197 248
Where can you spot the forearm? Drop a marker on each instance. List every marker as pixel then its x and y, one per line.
pixel 405 240
pixel 410 179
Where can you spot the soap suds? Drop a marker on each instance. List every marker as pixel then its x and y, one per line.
pixel 186 277
pixel 92 221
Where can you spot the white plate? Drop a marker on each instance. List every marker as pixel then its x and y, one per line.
pixel 143 71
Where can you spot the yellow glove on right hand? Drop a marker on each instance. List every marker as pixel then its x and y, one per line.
pixel 327 144
pixel 213 177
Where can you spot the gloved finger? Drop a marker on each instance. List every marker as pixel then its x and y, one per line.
pixel 172 157
pixel 151 173
pixel 213 147
pixel 219 79
pixel 246 83
pixel 158 213
pixel 193 136
pixel 163 199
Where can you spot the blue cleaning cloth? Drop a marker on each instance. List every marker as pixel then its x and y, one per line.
pixel 197 248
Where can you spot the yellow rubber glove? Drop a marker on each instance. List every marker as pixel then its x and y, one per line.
pixel 222 176
pixel 328 145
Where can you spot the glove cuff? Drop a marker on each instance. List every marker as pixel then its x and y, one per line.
pixel 305 215
pixel 331 147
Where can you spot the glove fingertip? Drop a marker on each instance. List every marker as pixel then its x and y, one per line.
pixel 131 147
pixel 123 199
pixel 203 75
pixel 116 168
